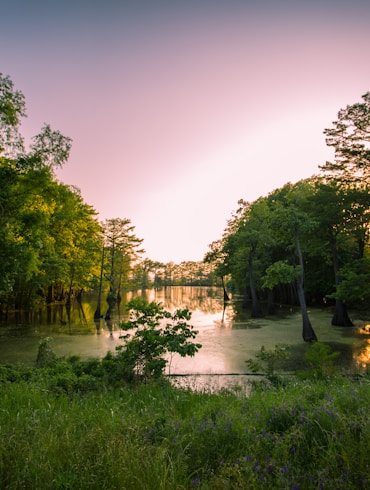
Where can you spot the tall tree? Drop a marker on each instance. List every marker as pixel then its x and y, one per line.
pixel 48 235
pixel 290 223
pixel 77 243
pixel 245 239
pixel 350 137
pixel 216 256
pixel 343 230
pixel 350 172
pixel 249 237
pixel 122 250
pixel 12 109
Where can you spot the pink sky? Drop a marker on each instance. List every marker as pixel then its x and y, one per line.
pixel 176 112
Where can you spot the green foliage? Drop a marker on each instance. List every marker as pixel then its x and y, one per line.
pixel 321 359
pixel 50 148
pixel 280 272
pixel 121 250
pixel 46 357
pixel 349 137
pixel 154 332
pixel 287 236
pixel 354 287
pixel 12 109
pixel 267 360
pixel 49 238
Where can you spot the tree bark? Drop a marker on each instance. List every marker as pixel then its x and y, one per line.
pixel 308 333
pixel 50 295
pixel 270 302
pixel 256 307
pixel 340 316
pixel 226 296
pixel 97 313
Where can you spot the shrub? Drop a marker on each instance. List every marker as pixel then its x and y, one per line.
pixel 46 357
pixel 321 359
pixel 154 332
pixel 266 362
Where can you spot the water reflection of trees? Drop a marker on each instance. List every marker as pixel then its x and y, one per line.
pixel 205 299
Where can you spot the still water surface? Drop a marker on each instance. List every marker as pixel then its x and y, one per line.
pixel 227 333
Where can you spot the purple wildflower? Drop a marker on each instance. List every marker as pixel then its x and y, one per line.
pixel 339 460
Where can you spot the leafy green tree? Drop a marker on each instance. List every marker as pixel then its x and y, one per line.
pixel 291 223
pixel 154 332
pixel 76 237
pixel 350 136
pixel 350 173
pixel 251 219
pixel 321 359
pixel 168 273
pixel 53 238
pixel 122 250
pixel 24 224
pixel 216 256
pixel 12 109
pixel 354 287
pixel 279 272
pixel 331 235
pixel 342 234
pixel 48 235
pixel 142 271
pixel 49 148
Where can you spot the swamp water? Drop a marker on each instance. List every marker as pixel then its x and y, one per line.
pixel 227 333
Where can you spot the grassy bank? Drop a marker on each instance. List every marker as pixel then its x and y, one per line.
pixel 68 427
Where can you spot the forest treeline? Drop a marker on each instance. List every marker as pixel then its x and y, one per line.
pixel 306 242
pixel 52 246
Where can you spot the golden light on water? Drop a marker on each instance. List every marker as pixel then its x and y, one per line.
pixel 363 357
pixel 365 329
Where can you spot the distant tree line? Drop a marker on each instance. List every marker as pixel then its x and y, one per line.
pixel 308 242
pixel 149 273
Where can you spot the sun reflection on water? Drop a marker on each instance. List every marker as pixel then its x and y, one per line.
pixel 362 357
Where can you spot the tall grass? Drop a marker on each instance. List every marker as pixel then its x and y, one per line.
pixel 61 435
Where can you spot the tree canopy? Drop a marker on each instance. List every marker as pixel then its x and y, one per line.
pixel 50 239
pixel 350 138
pixel 308 241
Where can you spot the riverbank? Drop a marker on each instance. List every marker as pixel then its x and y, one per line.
pixel 64 427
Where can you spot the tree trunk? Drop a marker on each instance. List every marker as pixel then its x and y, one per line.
pixel 69 295
pixel 256 307
pixel 270 302
pixel 308 333
pixel 245 298
pixel 49 297
pixel 340 316
pixel 97 313
pixel 226 296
